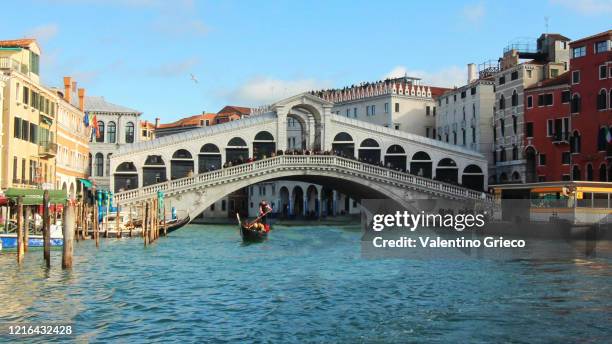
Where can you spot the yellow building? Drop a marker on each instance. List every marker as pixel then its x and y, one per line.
pixel 28 124
pixel 72 157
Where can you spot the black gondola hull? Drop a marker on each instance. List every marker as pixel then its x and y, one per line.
pixel 249 235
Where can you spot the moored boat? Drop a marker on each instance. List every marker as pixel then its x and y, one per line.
pixel 175 224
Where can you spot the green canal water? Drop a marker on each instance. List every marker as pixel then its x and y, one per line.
pixel 305 284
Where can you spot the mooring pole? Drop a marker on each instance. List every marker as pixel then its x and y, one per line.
pixel 26 230
pixel 46 229
pixel 68 229
pixel 20 246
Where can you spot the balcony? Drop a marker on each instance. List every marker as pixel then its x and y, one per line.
pixel 560 137
pixel 12 64
pixel 47 149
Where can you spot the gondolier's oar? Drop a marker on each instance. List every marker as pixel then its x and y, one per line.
pixel 256 219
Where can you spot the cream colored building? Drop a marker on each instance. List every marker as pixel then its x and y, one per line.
pixel 29 123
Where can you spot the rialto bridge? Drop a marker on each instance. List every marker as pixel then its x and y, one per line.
pixel 370 161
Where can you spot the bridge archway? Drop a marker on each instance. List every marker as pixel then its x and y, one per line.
pixel 209 158
pixel 395 158
pixel 312 201
pixel 473 177
pixel 236 150
pixel 369 151
pixel 344 145
pixel 284 201
pixel 421 164
pixel 297 132
pixel 263 145
pixel 447 171
pixel 181 164
pixel 126 177
pixel 153 170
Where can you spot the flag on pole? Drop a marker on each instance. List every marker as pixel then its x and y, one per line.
pixel 86 119
pixel 94 124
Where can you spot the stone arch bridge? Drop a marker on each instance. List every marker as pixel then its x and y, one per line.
pixel 369 161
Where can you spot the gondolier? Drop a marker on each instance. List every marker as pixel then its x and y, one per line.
pixel 264 210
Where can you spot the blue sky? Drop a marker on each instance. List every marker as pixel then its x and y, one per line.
pixel 141 53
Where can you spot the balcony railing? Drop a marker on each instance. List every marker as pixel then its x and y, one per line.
pixel 12 64
pixel 47 149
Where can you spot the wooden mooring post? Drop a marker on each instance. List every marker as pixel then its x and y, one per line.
pixel 68 225
pixel 26 231
pixel 117 223
pixel 20 236
pixel 165 222
pixel 145 222
pixel 131 221
pixel 96 228
pixel 46 229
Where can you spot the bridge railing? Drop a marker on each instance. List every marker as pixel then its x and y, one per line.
pixel 310 161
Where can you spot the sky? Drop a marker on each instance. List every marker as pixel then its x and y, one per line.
pixel 143 53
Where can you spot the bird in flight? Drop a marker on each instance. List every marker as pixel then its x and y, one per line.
pixel 193 78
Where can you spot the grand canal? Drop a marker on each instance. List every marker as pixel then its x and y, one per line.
pixel 306 284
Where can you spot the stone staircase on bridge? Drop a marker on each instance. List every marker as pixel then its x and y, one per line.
pixel 342 166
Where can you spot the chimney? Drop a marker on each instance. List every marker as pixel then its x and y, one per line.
pixel 67 88
pixel 156 122
pixel 472 73
pixel 81 99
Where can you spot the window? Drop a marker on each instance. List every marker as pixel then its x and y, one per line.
pixel 112 132
pixel 502 154
pixel 473 90
pixel 14 168
pixel 515 152
pixel 223 205
pixel 34 63
pixel 529 102
pixel 565 158
pixel 579 52
pixel 602 100
pixel 502 125
pixel 355 112
pixel 386 107
pixel 427 110
pixel 212 207
pixel 17 128
pixel 529 129
pixel 514 124
pixel 396 107
pixel 554 73
pixel 33 133
pixel 463 94
pixel 565 97
pixel 368 110
pixel 514 98
pixel 502 102
pixel 576 77
pixel 25 130
pixel 603 71
pixel 548 99
pixel 100 132
pixel 129 132
pixel 601 46
pixel 427 132
pixel 348 112
pixel 99 163
pixel 542 159
pixel 514 75
pixel 529 73
pixel 463 136
pixel 502 80
pixel 23 170
pixel 550 128
pixel 576 104
pixel 26 95
pixel 575 143
pixel 454 137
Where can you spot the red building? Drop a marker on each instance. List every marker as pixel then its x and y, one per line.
pixel 547 128
pixel 591 107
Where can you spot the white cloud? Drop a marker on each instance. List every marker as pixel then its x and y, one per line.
pixel 447 77
pixel 43 32
pixel 587 7
pixel 265 90
pixel 182 67
pixel 474 13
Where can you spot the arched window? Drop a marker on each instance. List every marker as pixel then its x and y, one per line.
pixel 369 143
pixel 514 98
pixel 602 100
pixel 209 148
pixel 344 137
pixel 502 102
pixel 108 157
pixel 576 104
pixel 264 136
pixel 100 132
pixel 181 154
pixel 575 143
pixel 589 172
pixel 576 173
pixel 603 173
pixel 237 142
pixel 514 152
pixel 129 132
pixel 112 132
pixel 502 154
pixel 602 140
pixel 395 149
pixel 99 165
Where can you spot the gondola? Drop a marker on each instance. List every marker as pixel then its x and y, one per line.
pixel 252 235
pixel 173 225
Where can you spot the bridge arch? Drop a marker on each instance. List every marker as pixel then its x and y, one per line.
pixel 153 170
pixel 473 177
pixel 263 144
pixel 297 197
pixel 395 157
pixel 343 144
pixel 126 176
pixel 284 201
pixel 312 201
pixel 447 171
pixel 236 150
pixel 369 150
pixel 181 164
pixel 209 158
pixel 421 164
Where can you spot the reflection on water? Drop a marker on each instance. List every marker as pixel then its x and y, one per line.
pixel 302 285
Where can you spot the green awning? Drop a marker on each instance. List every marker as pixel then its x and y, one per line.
pixel 86 182
pixel 35 196
pixel 46 120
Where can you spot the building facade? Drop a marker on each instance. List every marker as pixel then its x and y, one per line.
pixel 116 125
pixel 465 115
pixel 591 107
pixel 29 118
pixel 548 60
pixel 72 139
pixel 400 103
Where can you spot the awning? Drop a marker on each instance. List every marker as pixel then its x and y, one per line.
pixel 46 120
pixel 35 196
pixel 86 182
